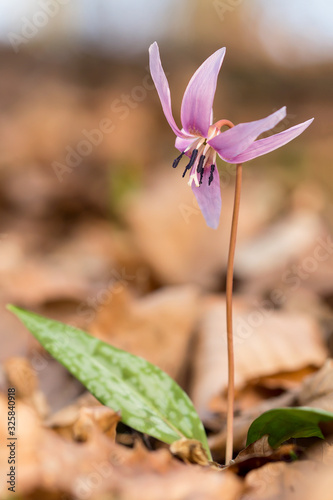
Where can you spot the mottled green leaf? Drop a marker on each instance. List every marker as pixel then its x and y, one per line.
pixel 149 400
pixel 282 424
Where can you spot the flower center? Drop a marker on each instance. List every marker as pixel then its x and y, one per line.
pixel 202 156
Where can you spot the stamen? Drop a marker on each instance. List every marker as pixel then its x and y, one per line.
pixel 201 175
pixel 211 177
pixel 191 162
pixel 200 168
pixel 177 160
pixel 200 164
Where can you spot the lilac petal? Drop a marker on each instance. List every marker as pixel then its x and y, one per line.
pixel 198 98
pixel 234 141
pixel 263 146
pixel 162 87
pixel 183 144
pixel 209 198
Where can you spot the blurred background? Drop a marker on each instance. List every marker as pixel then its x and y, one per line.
pixel 90 206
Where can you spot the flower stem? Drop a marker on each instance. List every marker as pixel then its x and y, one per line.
pixel 229 286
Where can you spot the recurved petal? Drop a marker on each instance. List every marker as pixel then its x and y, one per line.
pixel 183 144
pixel 263 146
pixel 162 87
pixel 198 98
pixel 209 198
pixel 234 141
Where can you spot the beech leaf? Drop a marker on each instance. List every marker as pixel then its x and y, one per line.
pixel 282 424
pixel 149 400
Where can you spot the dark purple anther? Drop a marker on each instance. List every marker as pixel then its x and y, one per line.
pixel 200 164
pixel 191 162
pixel 177 160
pixel 210 180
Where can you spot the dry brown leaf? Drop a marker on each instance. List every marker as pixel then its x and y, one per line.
pixel 66 466
pixel 294 255
pixel 158 476
pixel 81 270
pixel 280 481
pixel 28 438
pixel 259 453
pixel 260 389
pixel 23 377
pixel 63 420
pixel 47 463
pixel 286 380
pixel 287 240
pixel 248 397
pixel 265 343
pixel 242 423
pixel 157 327
pixel 261 447
pixel 190 450
pixel 96 419
pixel 160 461
pixel 36 282
pixel 20 375
pixel 69 414
pixel 89 254
pixel 192 483
pixel 173 238
pixel 317 390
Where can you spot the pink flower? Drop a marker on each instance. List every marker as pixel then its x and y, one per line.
pixel 200 139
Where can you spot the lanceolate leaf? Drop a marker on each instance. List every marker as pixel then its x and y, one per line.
pixel 149 400
pixel 282 424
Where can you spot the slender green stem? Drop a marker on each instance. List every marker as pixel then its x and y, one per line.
pixel 229 287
